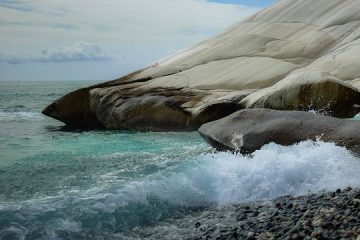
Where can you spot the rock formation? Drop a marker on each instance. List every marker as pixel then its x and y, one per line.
pixel 294 55
pixel 248 130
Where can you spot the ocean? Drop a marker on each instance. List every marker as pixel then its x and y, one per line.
pixel 61 183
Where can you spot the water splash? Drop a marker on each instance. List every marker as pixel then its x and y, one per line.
pixel 207 179
pixel 275 170
pixel 237 141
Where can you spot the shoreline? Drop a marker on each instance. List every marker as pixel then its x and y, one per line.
pixel 324 215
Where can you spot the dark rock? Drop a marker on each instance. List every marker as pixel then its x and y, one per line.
pixel 350 234
pixel 327 225
pixel 74 109
pixel 248 130
pixel 129 106
pixel 197 225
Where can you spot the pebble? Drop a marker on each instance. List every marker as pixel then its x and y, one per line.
pixel 331 215
pixel 317 216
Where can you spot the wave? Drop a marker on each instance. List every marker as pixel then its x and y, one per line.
pixel 209 179
pixel 225 178
pixel 20 116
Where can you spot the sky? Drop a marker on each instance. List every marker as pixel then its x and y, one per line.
pixel 49 40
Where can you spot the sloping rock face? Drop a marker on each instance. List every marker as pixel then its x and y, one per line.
pixel 248 130
pixel 294 55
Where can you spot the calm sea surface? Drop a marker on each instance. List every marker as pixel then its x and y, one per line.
pixel 62 184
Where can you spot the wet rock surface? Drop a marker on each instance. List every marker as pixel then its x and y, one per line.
pixel 326 215
pixel 248 130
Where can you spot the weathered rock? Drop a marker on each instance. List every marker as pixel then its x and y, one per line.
pixel 73 109
pixel 294 55
pixel 158 109
pixel 250 129
pixel 308 91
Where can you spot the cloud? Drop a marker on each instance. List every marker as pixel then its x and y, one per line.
pixel 135 32
pixel 258 3
pixel 79 52
pixel 116 24
pixel 16 5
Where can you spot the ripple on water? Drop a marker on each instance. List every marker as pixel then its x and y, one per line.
pixel 20 116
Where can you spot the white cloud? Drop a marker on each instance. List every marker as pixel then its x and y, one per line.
pixel 114 22
pixel 79 52
pixel 140 31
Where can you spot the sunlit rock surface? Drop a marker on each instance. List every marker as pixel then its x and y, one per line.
pixel 294 55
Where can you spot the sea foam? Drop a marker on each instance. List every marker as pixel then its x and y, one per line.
pixel 207 179
pixel 225 178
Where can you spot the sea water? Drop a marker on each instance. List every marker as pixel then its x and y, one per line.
pixel 60 183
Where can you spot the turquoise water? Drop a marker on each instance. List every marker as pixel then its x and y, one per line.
pixel 57 183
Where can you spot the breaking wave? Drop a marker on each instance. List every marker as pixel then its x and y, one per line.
pixel 208 179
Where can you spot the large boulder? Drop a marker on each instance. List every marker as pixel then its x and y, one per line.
pixel 248 130
pixel 294 55
pixel 308 91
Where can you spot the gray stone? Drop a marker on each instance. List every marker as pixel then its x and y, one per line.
pixel 250 129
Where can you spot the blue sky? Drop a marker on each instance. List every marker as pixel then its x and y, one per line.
pixel 104 39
